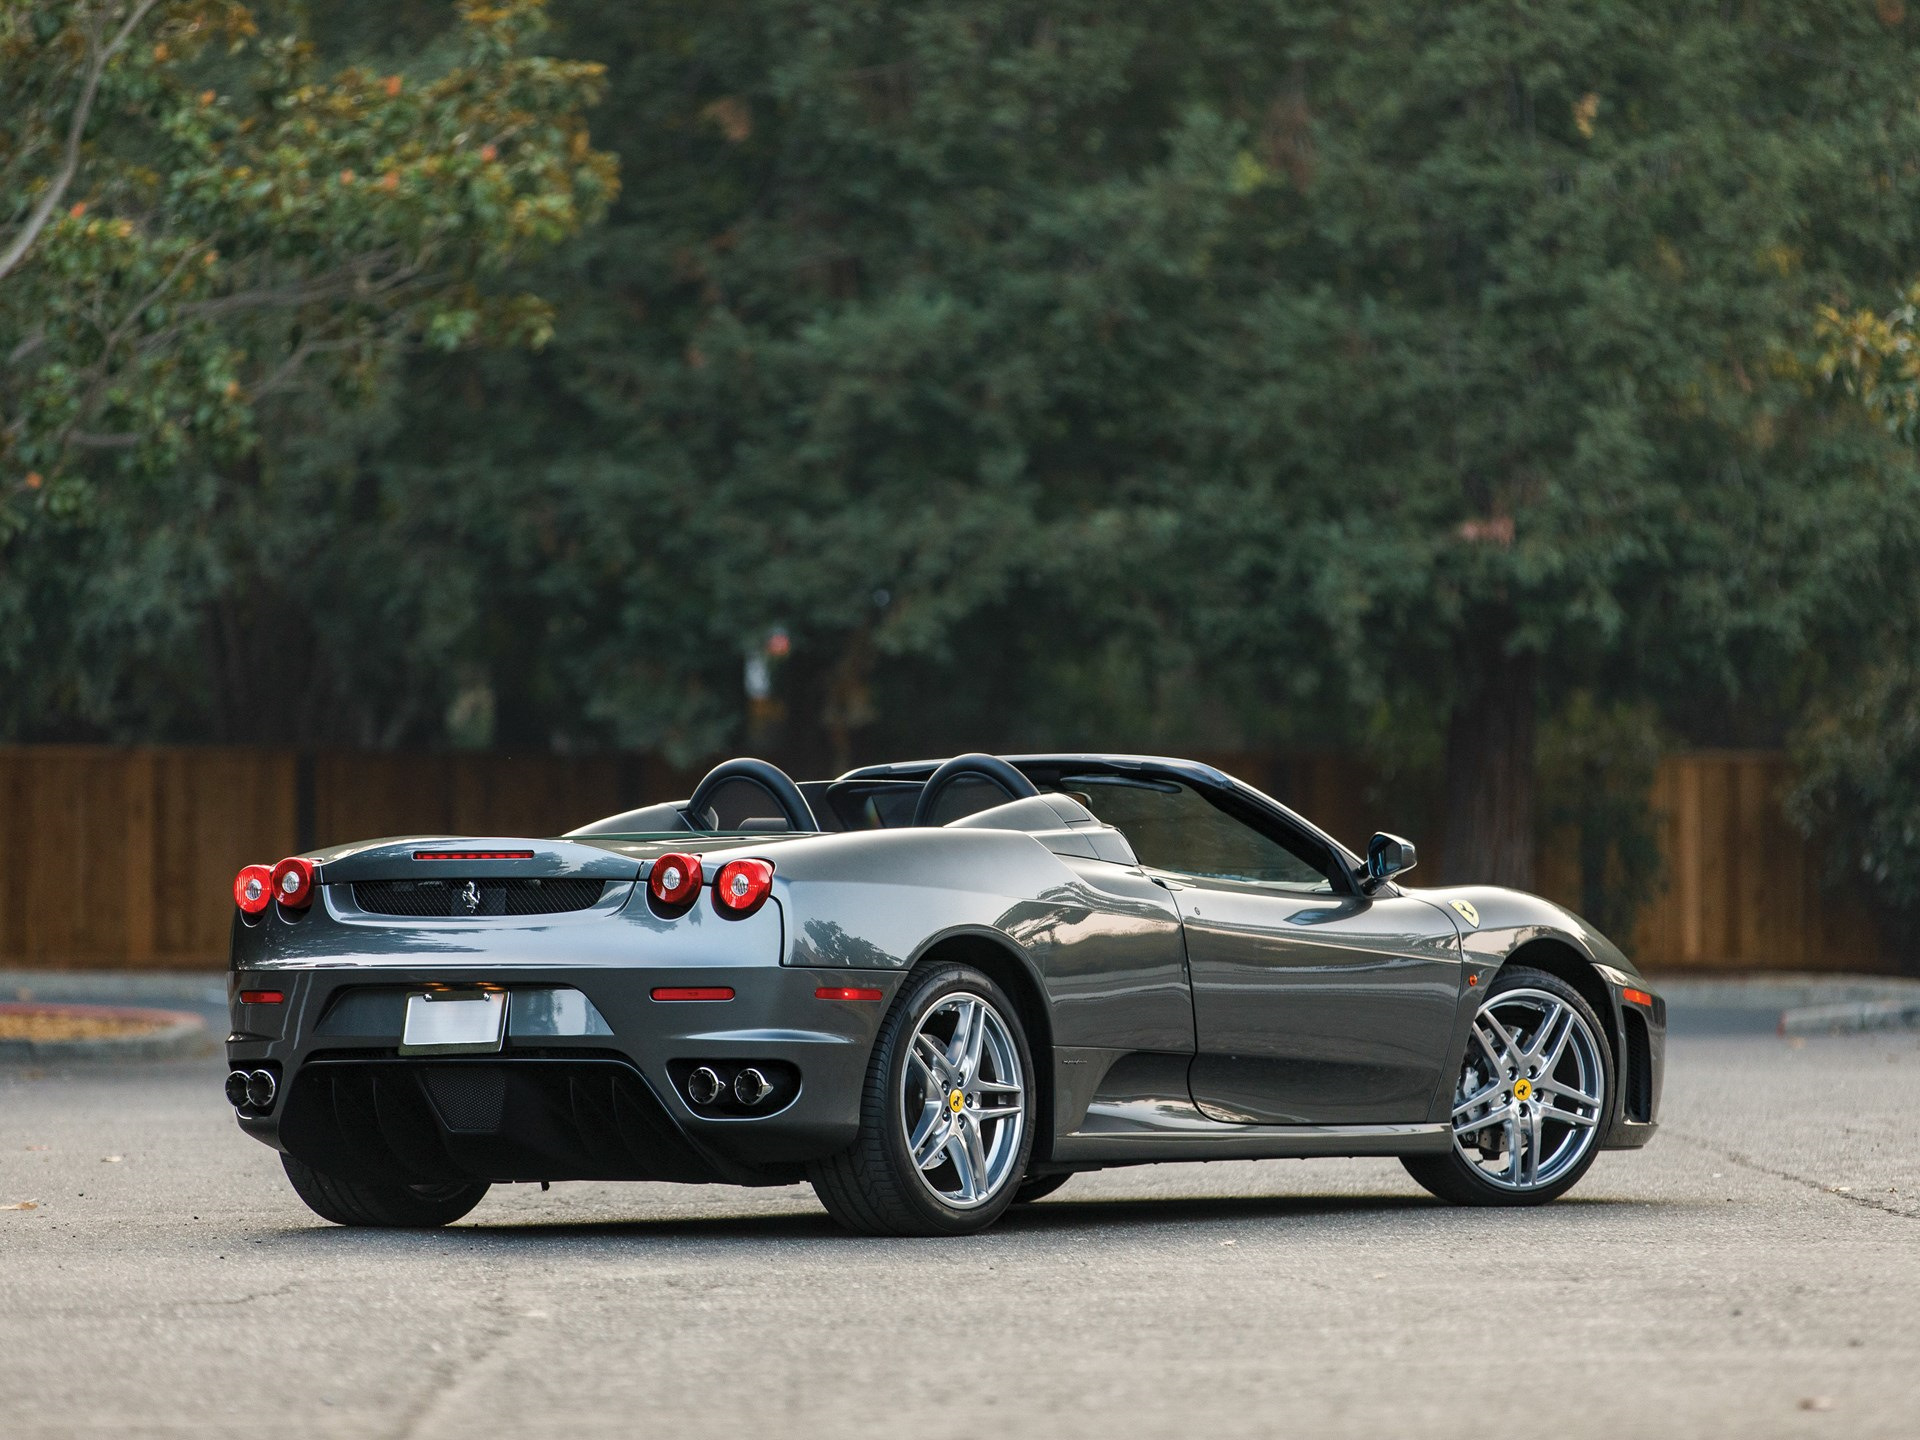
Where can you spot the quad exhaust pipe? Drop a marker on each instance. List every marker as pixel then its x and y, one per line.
pixel 251 1089
pixel 706 1086
pixel 703 1086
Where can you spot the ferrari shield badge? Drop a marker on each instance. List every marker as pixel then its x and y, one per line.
pixel 1467 911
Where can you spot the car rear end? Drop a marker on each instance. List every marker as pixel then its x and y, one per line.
pixel 430 1009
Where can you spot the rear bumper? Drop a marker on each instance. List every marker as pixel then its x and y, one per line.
pixel 556 1107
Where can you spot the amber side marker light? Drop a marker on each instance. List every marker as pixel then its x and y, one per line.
pixel 262 997
pixel 694 992
pixel 845 992
pixel 1637 997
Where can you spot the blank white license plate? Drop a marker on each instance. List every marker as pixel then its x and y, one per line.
pixel 461 1022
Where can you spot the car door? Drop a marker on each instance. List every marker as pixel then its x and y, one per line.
pixel 1313 1003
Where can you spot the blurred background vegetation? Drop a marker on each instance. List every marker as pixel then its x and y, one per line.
pixel 1505 393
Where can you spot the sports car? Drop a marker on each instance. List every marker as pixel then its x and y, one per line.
pixel 933 990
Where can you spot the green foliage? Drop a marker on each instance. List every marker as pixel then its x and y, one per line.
pixel 1860 789
pixel 1184 374
pixel 1859 743
pixel 194 221
pixel 1597 764
pixel 1875 357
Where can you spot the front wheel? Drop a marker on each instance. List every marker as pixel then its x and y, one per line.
pixel 946 1124
pixel 1532 1098
pixel 349 1202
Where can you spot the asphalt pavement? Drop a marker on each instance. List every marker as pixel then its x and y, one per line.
pixel 1754 1272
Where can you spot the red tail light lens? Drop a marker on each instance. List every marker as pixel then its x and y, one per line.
pixel 253 888
pixel 741 885
pixel 293 883
pixel 674 878
pixel 693 992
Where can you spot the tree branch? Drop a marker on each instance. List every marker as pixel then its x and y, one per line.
pixel 62 180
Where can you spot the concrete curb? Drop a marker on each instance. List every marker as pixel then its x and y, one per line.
pixel 179 1035
pixel 1850 1015
pixel 1804 1004
pixel 117 987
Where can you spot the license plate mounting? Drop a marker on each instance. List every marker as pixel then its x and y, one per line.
pixel 455 1022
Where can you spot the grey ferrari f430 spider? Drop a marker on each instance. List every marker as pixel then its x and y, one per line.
pixel 933 990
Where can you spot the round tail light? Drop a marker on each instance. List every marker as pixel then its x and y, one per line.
pixel 674 879
pixel 293 883
pixel 253 888
pixel 741 885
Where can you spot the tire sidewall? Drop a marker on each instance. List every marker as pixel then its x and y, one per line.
pixel 897 1034
pixel 1525 978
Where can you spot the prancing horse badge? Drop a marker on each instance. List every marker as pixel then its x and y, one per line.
pixel 1467 912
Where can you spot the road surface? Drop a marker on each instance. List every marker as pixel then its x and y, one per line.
pixel 1754 1272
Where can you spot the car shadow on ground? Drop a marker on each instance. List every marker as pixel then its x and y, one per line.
pixel 1051 1217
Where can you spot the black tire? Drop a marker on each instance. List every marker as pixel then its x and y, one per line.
pixel 1038 1187
pixel 873 1186
pixel 1454 1179
pixel 347 1202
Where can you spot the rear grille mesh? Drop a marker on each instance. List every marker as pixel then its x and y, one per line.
pixel 462 898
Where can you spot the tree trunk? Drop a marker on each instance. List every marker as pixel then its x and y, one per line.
pixel 1490 760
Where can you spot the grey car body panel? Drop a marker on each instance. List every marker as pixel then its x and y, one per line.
pixel 1329 1008
pixel 1184 1018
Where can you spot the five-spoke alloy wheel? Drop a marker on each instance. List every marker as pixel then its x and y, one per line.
pixel 963 1098
pixel 1532 1099
pixel 946 1128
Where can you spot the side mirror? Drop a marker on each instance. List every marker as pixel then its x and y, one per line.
pixel 1387 856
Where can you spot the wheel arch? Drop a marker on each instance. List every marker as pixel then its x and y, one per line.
pixel 999 959
pixel 1562 960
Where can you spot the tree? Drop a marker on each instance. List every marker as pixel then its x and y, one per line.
pixel 1198 374
pixel 195 222
pixel 199 230
pixel 1188 374
pixel 1858 743
pixel 1514 396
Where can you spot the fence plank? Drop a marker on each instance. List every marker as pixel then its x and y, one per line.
pixel 171 826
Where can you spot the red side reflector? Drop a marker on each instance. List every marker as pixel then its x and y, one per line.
pixel 694 992
pixel 1637 997
pixel 262 997
pixel 846 992
pixel 473 854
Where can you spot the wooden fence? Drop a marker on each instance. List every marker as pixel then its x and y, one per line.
pixel 123 858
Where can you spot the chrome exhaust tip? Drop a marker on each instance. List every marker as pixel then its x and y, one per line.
pixel 236 1088
pixel 703 1086
pixel 750 1087
pixel 260 1089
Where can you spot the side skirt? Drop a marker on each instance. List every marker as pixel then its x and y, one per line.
pixel 1122 1135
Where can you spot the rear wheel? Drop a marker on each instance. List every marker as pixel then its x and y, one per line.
pixel 946 1114
pixel 1531 1100
pixel 349 1202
